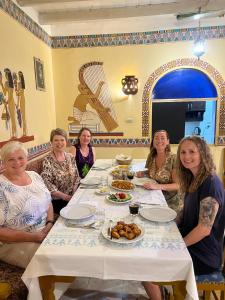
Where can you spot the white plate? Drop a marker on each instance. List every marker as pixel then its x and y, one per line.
pixel 101 166
pixel 119 202
pixel 91 180
pixel 142 181
pixel 158 214
pixel 122 240
pixel 77 211
pixel 103 191
pixel 82 222
pixel 123 190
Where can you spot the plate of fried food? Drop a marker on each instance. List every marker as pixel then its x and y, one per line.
pixel 123 233
pixel 122 185
pixel 119 198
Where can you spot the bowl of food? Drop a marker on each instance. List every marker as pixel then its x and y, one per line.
pixel 122 185
pixel 123 159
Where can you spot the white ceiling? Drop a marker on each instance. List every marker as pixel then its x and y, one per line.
pixel 81 17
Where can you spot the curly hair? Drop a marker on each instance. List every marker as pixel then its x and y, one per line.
pixel 189 183
pixel 152 148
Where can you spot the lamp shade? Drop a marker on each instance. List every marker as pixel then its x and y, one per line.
pixel 129 85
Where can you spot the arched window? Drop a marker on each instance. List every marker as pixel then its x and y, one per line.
pixel 184 103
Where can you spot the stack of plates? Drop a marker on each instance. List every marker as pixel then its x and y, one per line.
pixel 80 214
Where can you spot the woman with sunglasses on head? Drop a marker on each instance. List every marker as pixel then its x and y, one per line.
pixel 161 168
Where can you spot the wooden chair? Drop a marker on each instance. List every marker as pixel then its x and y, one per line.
pixel 5 290
pixel 47 285
pixel 216 289
pixel 179 290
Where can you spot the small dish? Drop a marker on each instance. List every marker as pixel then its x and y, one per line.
pixel 103 191
pixel 116 198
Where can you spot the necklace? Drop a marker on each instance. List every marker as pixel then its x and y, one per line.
pixel 57 159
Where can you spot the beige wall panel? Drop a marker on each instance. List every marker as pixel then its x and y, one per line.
pixel 18 47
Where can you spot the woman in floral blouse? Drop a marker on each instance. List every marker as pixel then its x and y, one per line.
pixel 60 172
pixel 161 168
pixel 26 213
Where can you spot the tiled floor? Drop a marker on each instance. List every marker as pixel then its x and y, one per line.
pixel 96 289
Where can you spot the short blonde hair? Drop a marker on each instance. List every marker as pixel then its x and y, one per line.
pixel 10 148
pixel 58 131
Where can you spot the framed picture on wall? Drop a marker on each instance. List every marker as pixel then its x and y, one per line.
pixel 39 74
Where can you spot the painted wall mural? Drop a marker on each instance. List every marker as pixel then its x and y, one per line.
pixel 13 104
pixel 93 106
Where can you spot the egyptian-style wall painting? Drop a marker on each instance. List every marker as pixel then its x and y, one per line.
pixel 12 104
pixel 93 106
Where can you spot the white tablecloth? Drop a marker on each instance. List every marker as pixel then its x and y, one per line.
pixel 160 256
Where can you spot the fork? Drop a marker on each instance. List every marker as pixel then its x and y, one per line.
pixel 110 229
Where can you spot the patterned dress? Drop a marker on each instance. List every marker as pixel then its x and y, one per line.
pixel 24 207
pixel 60 176
pixel 84 163
pixel 163 175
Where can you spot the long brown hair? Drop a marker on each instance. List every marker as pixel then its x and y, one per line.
pixel 153 151
pixel 188 182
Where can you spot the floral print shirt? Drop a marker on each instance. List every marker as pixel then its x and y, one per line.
pixel 61 176
pixel 24 207
pixel 163 175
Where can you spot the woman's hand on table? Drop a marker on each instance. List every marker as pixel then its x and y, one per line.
pixel 152 186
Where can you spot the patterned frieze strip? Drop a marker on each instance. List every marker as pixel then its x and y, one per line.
pixel 132 142
pixel 104 40
pixel 137 38
pixel 15 12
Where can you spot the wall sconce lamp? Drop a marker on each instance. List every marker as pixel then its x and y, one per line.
pixel 129 85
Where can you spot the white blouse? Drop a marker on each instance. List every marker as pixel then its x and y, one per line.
pixel 24 207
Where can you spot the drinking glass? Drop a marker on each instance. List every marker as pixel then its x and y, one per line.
pixel 134 209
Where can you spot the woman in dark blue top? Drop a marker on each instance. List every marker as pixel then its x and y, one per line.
pixel 202 220
pixel 84 152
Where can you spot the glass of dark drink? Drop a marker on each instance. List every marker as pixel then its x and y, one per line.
pixel 134 208
pixel 130 175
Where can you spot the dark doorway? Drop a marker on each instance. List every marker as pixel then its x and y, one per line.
pixel 171 117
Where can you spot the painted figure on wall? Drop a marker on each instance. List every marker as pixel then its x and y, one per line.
pixel 21 109
pixel 8 89
pixel 81 114
pixel 94 95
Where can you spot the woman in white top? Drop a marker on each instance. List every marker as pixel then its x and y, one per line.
pixel 26 213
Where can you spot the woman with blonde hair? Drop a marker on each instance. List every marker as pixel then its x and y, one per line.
pixel 26 213
pixel 60 172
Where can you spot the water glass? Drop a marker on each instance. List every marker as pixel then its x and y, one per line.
pixel 104 181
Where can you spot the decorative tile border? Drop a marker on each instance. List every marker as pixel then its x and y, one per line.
pixel 137 38
pixel 104 40
pixel 19 15
pixel 176 64
pixel 111 142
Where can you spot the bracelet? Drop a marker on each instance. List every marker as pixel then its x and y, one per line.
pixel 49 221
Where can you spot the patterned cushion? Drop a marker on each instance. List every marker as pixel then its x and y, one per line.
pixel 212 277
pixel 12 274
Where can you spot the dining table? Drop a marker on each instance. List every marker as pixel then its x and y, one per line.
pixel 73 250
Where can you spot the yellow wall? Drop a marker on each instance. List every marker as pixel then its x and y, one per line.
pixel 138 60
pixel 46 110
pixel 18 47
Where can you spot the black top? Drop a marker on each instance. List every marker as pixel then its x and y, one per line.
pixel 84 163
pixel 206 254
